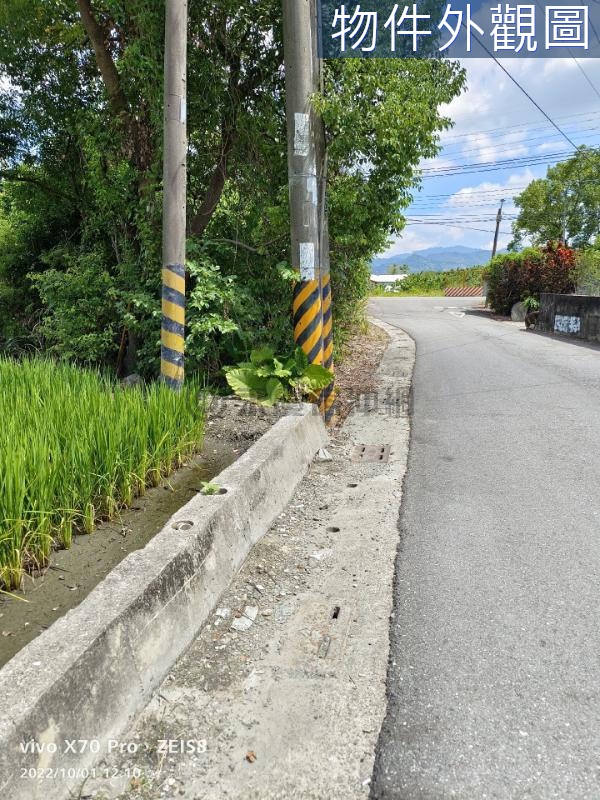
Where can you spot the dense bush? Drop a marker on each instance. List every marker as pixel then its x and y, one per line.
pixel 588 270
pixel 515 276
pixel 434 283
pixel 81 169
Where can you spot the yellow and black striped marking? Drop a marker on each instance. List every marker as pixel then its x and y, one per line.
pixel 308 321
pixel 329 396
pixel 173 325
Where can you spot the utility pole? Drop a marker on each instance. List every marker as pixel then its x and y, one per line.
pixel 328 396
pixel 565 216
pixel 174 194
pixel 498 221
pixel 301 82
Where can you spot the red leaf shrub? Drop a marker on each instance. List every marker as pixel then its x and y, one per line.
pixel 514 276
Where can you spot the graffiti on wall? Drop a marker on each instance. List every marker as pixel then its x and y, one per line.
pixel 566 324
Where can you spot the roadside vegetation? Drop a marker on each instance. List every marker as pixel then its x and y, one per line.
pixel 517 277
pixel 81 119
pixel 431 284
pixel 80 178
pixel 267 379
pixel 564 206
pixel 75 448
pixel 587 271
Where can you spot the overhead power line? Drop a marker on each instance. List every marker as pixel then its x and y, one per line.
pixel 570 52
pixel 493 166
pixel 532 157
pixel 591 23
pixel 500 146
pixel 461 227
pixel 588 117
pixel 586 76
pixel 525 92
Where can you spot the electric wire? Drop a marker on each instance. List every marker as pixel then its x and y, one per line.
pixel 525 92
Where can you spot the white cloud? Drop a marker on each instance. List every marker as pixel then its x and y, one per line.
pixel 494 120
pixel 480 196
pixel 546 147
pixel 493 101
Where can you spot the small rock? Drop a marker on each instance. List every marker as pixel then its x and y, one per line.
pixel 284 610
pixel 245 621
pixel 267 612
pixel 321 555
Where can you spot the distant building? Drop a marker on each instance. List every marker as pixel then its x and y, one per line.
pixel 388 281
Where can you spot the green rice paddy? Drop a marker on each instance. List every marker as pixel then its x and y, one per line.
pixel 76 447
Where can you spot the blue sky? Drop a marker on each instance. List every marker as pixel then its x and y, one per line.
pixel 494 121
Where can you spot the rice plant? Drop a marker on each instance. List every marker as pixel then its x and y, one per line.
pixel 75 448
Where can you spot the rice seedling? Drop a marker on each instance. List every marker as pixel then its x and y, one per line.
pixel 75 448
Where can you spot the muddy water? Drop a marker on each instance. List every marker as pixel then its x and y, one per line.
pixel 74 573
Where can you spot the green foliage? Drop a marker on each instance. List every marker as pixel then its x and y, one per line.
pixel 432 284
pixel 564 206
pixel 531 303
pixel 74 447
pixel 515 276
pixel 267 379
pixel 587 270
pixel 209 488
pixel 80 322
pixel 80 178
pixel 398 269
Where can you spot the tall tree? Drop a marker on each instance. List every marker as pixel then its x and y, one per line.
pixel 80 154
pixel 563 206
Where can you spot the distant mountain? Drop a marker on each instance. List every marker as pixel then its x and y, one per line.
pixel 436 259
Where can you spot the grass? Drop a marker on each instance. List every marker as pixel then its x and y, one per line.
pixel 75 448
pixel 432 284
pixel 380 291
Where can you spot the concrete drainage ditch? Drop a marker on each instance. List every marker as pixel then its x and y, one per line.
pixel 86 676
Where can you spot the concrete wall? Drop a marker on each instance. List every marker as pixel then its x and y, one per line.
pixel 570 314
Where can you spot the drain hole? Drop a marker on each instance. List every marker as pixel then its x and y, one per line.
pixel 333 529
pixel 352 485
pixel 183 525
pixel 336 612
pixel 222 490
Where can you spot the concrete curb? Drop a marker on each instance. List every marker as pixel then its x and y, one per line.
pixel 86 676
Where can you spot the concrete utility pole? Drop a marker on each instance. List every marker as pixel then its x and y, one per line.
pixel 301 81
pixel 328 397
pixel 175 190
pixel 498 221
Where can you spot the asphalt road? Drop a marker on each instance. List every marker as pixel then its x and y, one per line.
pixel 494 679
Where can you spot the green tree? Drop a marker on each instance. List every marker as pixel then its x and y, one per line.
pixel 398 269
pixel 80 161
pixel 564 206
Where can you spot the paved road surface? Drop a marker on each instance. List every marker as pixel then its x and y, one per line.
pixel 494 680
